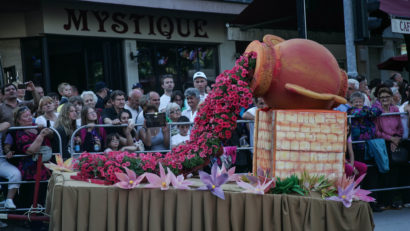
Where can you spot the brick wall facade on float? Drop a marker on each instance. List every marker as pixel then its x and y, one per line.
pixel 292 141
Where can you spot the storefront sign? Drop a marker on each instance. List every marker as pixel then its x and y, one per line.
pixel 401 26
pixel 122 23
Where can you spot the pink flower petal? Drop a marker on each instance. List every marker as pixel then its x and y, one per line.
pixel 121 176
pixel 131 174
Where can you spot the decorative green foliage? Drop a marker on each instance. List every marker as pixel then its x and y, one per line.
pixel 313 183
pixel 288 185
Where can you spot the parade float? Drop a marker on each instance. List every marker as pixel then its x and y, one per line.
pixel 299 150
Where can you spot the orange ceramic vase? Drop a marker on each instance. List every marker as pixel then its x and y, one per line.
pixel 296 74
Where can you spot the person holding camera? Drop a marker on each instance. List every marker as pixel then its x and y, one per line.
pixel 154 138
pixel 128 136
pixel 10 101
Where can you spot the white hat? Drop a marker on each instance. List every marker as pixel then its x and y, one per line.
pixel 199 74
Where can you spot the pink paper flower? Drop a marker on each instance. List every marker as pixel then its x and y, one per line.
pixel 231 173
pixel 162 181
pixel 179 181
pixel 129 180
pixel 347 191
pixel 257 189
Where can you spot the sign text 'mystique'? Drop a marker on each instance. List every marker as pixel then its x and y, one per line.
pixel 122 23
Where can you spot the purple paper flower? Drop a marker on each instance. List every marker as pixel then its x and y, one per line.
pixel 213 182
pixel 179 182
pixel 350 193
pixel 162 181
pixel 129 180
pixel 345 195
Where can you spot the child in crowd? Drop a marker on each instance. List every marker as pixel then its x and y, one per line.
pixel 352 167
pixel 113 144
pixel 183 132
pixel 64 89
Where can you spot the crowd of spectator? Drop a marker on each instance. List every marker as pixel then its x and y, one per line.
pixel 377 139
pixel 67 110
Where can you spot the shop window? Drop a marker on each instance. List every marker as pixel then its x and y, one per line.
pixel 181 61
pixel 32 57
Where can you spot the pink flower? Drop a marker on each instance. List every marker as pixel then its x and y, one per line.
pixel 258 189
pixel 156 181
pixel 129 180
pixel 231 173
pixel 179 182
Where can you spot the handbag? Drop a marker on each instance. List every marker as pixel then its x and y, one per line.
pixel 400 155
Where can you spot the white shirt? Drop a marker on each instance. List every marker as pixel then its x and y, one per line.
pixel 177 139
pixel 140 120
pixel 78 122
pixel 251 111
pixel 203 97
pixel 134 112
pixel 404 119
pixel 201 100
pixel 164 100
pixel 188 113
pixel 41 120
pixel 366 101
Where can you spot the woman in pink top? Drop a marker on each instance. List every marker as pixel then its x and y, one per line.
pixel 389 128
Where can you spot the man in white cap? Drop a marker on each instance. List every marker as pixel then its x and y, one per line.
pixel 200 83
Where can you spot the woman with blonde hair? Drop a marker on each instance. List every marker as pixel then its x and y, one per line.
pixel 46 111
pixel 65 125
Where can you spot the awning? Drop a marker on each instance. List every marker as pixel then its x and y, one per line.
pixel 396 7
pixel 396 63
pixel 321 15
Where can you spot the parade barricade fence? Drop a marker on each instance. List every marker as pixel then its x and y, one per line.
pixel 369 165
pixel 170 124
pixel 33 212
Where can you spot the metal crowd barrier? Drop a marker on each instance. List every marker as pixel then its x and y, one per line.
pixel 71 144
pixel 31 212
pixel 350 117
pixel 170 124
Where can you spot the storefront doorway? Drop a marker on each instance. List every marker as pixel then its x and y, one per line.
pixel 76 60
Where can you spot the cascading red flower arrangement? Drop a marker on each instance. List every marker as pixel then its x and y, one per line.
pixel 214 123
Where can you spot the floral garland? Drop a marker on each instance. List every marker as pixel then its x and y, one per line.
pixel 215 121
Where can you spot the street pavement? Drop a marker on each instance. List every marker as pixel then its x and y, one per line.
pixel 394 220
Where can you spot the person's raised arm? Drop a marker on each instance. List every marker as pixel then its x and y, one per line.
pixel 4 126
pixel 34 93
pixel 165 133
pixel 35 146
pixel 145 135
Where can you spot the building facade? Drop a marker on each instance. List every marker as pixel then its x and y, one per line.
pixel 83 42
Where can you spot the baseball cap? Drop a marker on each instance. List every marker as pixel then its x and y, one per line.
pixel 199 74
pixel 99 85
pixel 137 85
